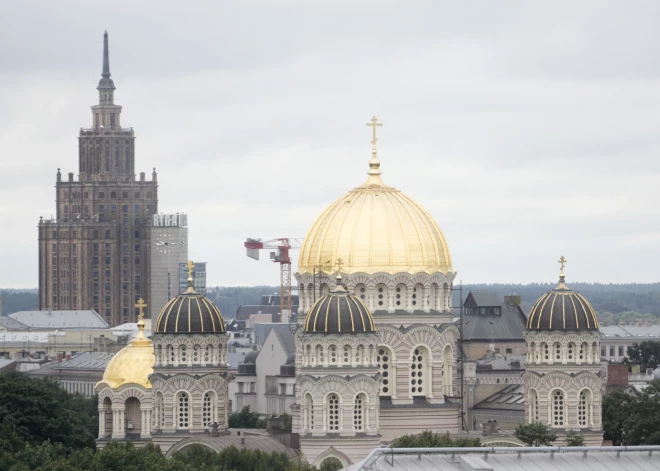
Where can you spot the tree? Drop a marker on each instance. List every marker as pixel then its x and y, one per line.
pixel 535 434
pixel 574 438
pixel 633 420
pixel 646 354
pixel 246 419
pixel 428 439
pixel 35 410
pixel 330 464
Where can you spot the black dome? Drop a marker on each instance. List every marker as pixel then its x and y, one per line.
pixel 562 309
pixel 339 313
pixel 190 313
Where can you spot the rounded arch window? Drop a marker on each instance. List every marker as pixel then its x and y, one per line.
pixel 571 351
pixel 170 353
pixel 384 360
pixel 309 412
pixel 533 406
pixel 207 353
pixel 359 411
pixel 333 354
pixel 558 408
pixel 584 407
pixel 196 354
pixel 184 353
pixel 418 372
pixel 557 351
pixel 184 410
pixel 333 412
pixel 207 409
pixel 347 353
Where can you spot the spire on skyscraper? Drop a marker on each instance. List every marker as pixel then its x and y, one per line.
pixel 106 82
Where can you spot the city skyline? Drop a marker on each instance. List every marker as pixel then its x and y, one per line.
pixel 520 152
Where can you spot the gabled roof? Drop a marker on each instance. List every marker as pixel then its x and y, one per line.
pixel 511 398
pixel 72 320
pixel 509 325
pixel 286 340
pixel 484 298
pixel 10 323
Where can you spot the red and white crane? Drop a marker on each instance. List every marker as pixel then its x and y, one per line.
pixel 282 255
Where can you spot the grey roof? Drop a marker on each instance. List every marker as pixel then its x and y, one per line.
pixel 10 323
pixel 485 298
pixel 92 361
pixel 262 329
pixel 7 365
pixel 512 458
pixel 634 332
pixel 234 359
pixel 511 398
pixel 510 325
pixel 502 363
pixel 418 403
pixel 286 339
pixel 244 311
pixel 61 319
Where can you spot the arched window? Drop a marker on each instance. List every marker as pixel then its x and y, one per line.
pixel 584 408
pixel 400 296
pixel 159 354
pixel 447 372
pixel 531 355
pixel 557 350
pixel 184 410
pixel 595 352
pixel 333 354
pixel 570 354
pixel 545 351
pixel 418 369
pixel 347 354
pixel 381 297
pixel 384 360
pixel 583 351
pixel 434 295
pixel 310 296
pixel 533 406
pixel 359 354
pixel 361 292
pixel 446 296
pixel 320 358
pixel 417 300
pixel 360 412
pixel 558 408
pixel 160 411
pixel 170 352
pixel 308 355
pixel 207 409
pixel 308 411
pixel 196 354
pixel 324 289
pixel 333 412
pixel 183 354
pixel 207 354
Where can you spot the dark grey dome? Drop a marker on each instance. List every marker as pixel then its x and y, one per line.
pixel 190 313
pixel 562 309
pixel 339 312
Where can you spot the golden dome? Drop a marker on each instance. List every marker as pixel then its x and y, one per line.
pixel 375 228
pixel 132 364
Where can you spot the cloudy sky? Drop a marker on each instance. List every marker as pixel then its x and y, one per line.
pixel 527 129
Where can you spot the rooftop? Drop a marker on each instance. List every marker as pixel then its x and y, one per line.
pixel 634 458
pixel 61 319
pixel 10 323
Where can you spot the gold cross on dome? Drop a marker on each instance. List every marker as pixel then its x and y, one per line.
pixel 373 124
pixel 191 267
pixel 141 305
pixel 562 263
pixel 340 263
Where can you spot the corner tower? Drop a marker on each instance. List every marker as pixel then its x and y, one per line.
pixel 563 378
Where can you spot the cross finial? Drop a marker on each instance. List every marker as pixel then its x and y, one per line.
pixel 141 305
pixel 562 263
pixel 191 266
pixel 373 124
pixel 340 263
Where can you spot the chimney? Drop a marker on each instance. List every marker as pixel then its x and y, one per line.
pixel 59 175
pixel 68 356
pixel 490 428
pixel 70 177
pixel 59 357
pixel 142 176
pixel 617 375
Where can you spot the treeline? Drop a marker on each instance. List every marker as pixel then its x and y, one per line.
pixel 19 300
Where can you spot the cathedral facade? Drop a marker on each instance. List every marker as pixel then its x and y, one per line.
pixel 391 257
pixel 94 254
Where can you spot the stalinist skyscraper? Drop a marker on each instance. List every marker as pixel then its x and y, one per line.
pixel 95 253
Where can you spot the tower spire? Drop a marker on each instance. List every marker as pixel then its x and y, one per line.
pixel 106 82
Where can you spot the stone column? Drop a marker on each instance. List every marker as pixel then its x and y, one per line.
pixel 102 423
pixel 119 431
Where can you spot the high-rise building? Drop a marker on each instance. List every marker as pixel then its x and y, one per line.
pixel 94 254
pixel 199 278
pixel 169 250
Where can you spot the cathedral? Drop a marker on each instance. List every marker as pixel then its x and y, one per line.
pixel 377 353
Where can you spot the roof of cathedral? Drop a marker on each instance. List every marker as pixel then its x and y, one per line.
pixel 375 228
pixel 190 313
pixel 339 312
pixel 562 309
pixel 132 364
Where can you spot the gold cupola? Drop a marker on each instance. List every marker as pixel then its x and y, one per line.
pixel 375 228
pixel 133 363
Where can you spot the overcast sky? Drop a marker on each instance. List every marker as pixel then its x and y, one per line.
pixel 528 130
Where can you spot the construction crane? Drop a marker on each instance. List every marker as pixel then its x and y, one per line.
pixel 282 255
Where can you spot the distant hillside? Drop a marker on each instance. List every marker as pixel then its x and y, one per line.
pixel 613 302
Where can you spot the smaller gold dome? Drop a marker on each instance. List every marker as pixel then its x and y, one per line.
pixel 132 364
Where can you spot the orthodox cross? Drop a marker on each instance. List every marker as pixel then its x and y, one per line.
pixel 141 305
pixel 191 267
pixel 373 124
pixel 562 263
pixel 340 263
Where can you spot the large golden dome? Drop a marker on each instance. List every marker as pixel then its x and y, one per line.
pixel 132 364
pixel 375 228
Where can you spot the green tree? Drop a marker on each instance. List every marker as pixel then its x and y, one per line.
pixel 646 354
pixel 428 439
pixel 535 434
pixel 246 419
pixel 616 409
pixel 330 464
pixel 35 410
pixel 574 438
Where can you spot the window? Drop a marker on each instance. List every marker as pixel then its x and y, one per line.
pixel 417 371
pixel 101 195
pixel 602 351
pixel 347 354
pixel 509 351
pixel 170 352
pixel 557 408
pixel 207 353
pixel 382 294
pixel 571 351
pixel 333 354
pixel 359 354
pixel 620 351
pixel 184 354
pixel 184 410
pixel 308 412
pixel 196 354
pixel 320 357
pixel 207 410
pixel 557 348
pixel 533 406
pixel 384 363
pixel 333 412
pixel 611 351
pixel 358 412
pixel 137 194
pixel 584 406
